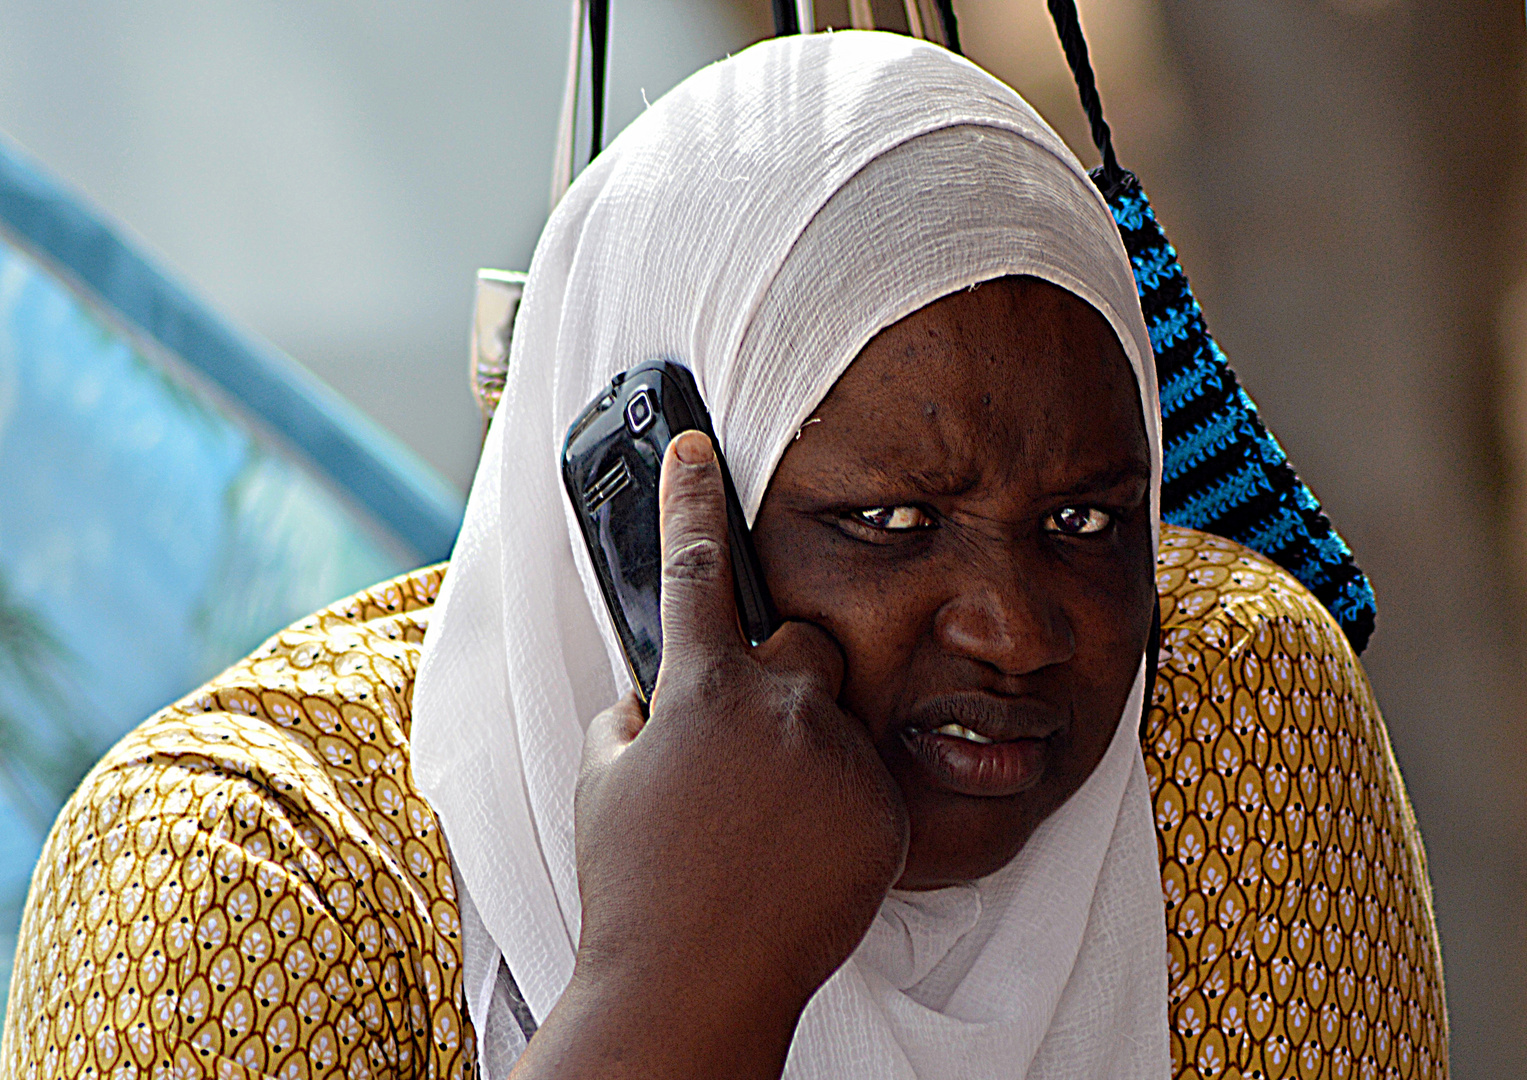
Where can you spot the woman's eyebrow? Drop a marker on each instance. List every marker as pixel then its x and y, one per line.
pixel 1102 479
pixel 942 481
pixel 914 482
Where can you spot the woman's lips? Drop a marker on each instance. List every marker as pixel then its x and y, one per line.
pixel 989 769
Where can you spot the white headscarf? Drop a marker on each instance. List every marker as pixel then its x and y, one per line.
pixel 761 223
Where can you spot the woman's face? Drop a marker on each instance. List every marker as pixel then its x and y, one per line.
pixel 968 514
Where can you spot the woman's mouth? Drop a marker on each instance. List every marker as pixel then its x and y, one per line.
pixel 966 762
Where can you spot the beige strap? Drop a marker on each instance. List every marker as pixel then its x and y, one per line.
pixel 562 157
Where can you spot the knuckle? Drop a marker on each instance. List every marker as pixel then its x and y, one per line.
pixel 699 558
pixel 823 650
pixel 814 652
pixel 797 705
pixel 802 699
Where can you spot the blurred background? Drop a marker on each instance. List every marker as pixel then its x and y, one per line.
pixel 1345 181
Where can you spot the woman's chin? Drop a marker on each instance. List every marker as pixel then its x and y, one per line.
pixel 960 838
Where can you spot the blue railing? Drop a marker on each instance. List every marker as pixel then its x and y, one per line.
pixel 403 494
pixel 172 491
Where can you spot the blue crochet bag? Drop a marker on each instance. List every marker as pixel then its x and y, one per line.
pixel 1223 472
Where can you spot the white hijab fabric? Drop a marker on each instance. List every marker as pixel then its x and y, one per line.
pixel 761 223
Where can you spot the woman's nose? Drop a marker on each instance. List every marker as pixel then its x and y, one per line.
pixel 1009 624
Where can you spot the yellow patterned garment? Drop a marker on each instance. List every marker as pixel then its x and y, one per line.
pixel 249 885
pixel 1300 936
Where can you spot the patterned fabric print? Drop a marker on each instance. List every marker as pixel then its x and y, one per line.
pixel 1223 472
pixel 248 885
pixel 1299 919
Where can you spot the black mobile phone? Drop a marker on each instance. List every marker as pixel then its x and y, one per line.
pixel 611 462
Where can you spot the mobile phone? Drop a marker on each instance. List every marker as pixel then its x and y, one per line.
pixel 611 462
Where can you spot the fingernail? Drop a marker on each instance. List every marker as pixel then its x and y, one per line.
pixel 693 448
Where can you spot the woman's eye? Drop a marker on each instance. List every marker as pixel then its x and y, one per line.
pixel 1078 520
pixel 893 518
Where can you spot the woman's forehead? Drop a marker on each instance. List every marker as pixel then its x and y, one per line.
pixel 1015 375
pixel 1010 346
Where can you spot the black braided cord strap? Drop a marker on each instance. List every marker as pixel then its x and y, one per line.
pixel 599 42
pixel 785 21
pixel 951 25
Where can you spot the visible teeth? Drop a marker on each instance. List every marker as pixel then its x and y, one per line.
pixel 961 733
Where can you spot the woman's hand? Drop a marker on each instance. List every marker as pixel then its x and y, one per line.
pixel 733 848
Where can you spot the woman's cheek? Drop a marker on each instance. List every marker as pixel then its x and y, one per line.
pixel 1112 635
pixel 880 631
pixel 800 579
pixel 1113 601
pixel 873 622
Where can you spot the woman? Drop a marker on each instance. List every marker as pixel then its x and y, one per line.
pixel 912 835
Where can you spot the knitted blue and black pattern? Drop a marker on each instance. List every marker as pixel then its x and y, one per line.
pixel 1223 472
